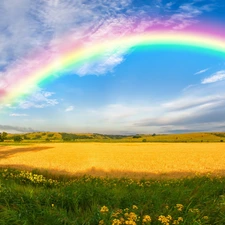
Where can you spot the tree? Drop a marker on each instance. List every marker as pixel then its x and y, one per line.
pixel 3 136
pixel 17 138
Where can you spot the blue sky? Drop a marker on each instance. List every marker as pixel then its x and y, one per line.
pixel 152 90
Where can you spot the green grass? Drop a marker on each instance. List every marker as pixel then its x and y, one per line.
pixel 33 199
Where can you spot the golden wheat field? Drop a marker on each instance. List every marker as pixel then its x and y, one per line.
pixel 119 159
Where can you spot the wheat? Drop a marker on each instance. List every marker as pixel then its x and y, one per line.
pixel 119 159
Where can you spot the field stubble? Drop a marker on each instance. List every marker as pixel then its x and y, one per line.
pixel 119 159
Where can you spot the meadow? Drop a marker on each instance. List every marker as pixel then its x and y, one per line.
pixel 112 183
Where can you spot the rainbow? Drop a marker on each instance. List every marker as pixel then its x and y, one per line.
pixel 73 55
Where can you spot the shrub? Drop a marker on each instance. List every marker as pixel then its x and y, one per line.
pixel 17 138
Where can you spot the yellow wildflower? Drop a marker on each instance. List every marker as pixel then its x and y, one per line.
pixel 135 207
pixel 122 220
pixel 165 219
pixel 179 219
pixel 130 222
pixel 132 216
pixel 169 217
pixel 116 222
pixel 101 222
pixel 179 207
pixel 146 219
pixel 104 209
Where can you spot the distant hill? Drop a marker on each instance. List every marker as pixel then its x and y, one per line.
pixel 95 137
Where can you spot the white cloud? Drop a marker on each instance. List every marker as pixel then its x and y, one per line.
pixel 28 25
pixel 188 102
pixel 69 109
pixel 168 5
pixel 106 63
pixel 39 99
pixel 18 115
pixel 201 71
pixel 185 15
pixel 218 76
pixel 199 108
pixel 34 33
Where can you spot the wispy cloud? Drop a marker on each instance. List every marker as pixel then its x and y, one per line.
pixel 18 114
pixel 39 99
pixel 199 108
pixel 40 24
pixel 218 76
pixel 69 109
pixel 16 129
pixel 185 14
pixel 41 27
pixel 201 71
pixel 188 102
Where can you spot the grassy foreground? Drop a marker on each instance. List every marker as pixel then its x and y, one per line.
pixel 31 198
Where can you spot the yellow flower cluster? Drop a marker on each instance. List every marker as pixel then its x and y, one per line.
pixel 104 209
pixel 179 207
pixel 117 222
pixel 132 217
pixel 146 219
pixel 29 176
pixel 124 217
pixel 165 219
pixel 179 219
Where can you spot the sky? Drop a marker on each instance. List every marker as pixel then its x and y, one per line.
pixel 116 88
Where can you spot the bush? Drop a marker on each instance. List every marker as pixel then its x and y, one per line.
pixel 137 136
pixel 37 137
pixel 17 138
pixel 3 136
pixel 26 137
